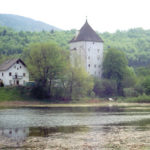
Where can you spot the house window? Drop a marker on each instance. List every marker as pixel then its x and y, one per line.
pixel 24 74
pixel 95 66
pixel 20 67
pixel 10 74
pixel 89 65
pixel 17 68
pixel 17 62
pixel 2 74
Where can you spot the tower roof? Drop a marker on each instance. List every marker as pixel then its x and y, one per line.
pixel 86 33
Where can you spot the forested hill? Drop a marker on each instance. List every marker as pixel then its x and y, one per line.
pixel 134 42
pixel 23 23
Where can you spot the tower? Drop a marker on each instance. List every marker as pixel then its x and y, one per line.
pixel 87 46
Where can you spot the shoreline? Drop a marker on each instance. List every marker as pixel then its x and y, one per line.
pixel 21 104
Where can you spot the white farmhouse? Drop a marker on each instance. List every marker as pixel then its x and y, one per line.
pixel 14 72
pixel 88 47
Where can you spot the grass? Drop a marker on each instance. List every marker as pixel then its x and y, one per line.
pixel 140 99
pixel 13 94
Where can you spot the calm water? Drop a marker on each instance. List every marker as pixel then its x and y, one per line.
pixel 24 122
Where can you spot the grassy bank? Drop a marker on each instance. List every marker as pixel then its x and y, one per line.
pixel 13 94
pixel 139 99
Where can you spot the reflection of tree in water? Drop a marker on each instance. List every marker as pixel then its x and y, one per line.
pixel 17 135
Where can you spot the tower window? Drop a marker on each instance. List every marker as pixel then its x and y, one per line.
pixel 9 73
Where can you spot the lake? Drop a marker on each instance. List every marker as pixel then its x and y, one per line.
pixel 95 128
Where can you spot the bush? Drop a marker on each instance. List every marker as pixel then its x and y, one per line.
pixel 140 99
pixel 130 92
pixel 105 88
pixel 146 85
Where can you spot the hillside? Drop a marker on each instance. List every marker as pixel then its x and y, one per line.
pixel 19 23
pixel 134 42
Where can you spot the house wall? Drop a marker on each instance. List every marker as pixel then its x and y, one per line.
pixel 17 69
pixel 90 55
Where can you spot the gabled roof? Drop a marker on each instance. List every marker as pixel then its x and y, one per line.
pixel 86 33
pixel 7 64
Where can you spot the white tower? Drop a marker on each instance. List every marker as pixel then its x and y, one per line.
pixel 88 47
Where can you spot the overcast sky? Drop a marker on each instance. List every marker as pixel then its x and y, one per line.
pixel 103 15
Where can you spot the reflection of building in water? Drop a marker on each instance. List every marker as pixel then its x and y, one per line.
pixel 18 134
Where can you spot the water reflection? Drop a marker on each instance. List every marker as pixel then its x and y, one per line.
pixel 17 135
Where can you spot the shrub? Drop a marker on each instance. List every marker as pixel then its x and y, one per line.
pixel 130 92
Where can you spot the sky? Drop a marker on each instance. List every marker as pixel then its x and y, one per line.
pixel 102 15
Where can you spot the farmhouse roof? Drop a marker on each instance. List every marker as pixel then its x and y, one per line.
pixel 7 64
pixel 86 33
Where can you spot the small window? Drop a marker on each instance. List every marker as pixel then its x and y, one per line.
pixel 95 66
pixel 20 67
pixel 10 74
pixel 89 65
pixel 24 74
pixel 17 68
pixel 17 62
pixel 2 74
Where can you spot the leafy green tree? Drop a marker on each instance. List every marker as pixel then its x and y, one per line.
pixel 115 67
pixel 46 63
pixel 77 83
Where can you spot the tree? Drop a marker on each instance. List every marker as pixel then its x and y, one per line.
pixel 115 67
pixel 46 63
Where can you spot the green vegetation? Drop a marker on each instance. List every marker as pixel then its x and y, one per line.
pixel 134 42
pixel 126 70
pixel 13 94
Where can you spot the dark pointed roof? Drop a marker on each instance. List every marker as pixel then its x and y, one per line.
pixel 86 33
pixel 7 64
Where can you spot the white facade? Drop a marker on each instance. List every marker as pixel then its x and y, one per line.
pixel 17 74
pixel 90 55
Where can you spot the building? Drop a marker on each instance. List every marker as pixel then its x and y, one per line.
pixel 14 72
pixel 87 47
